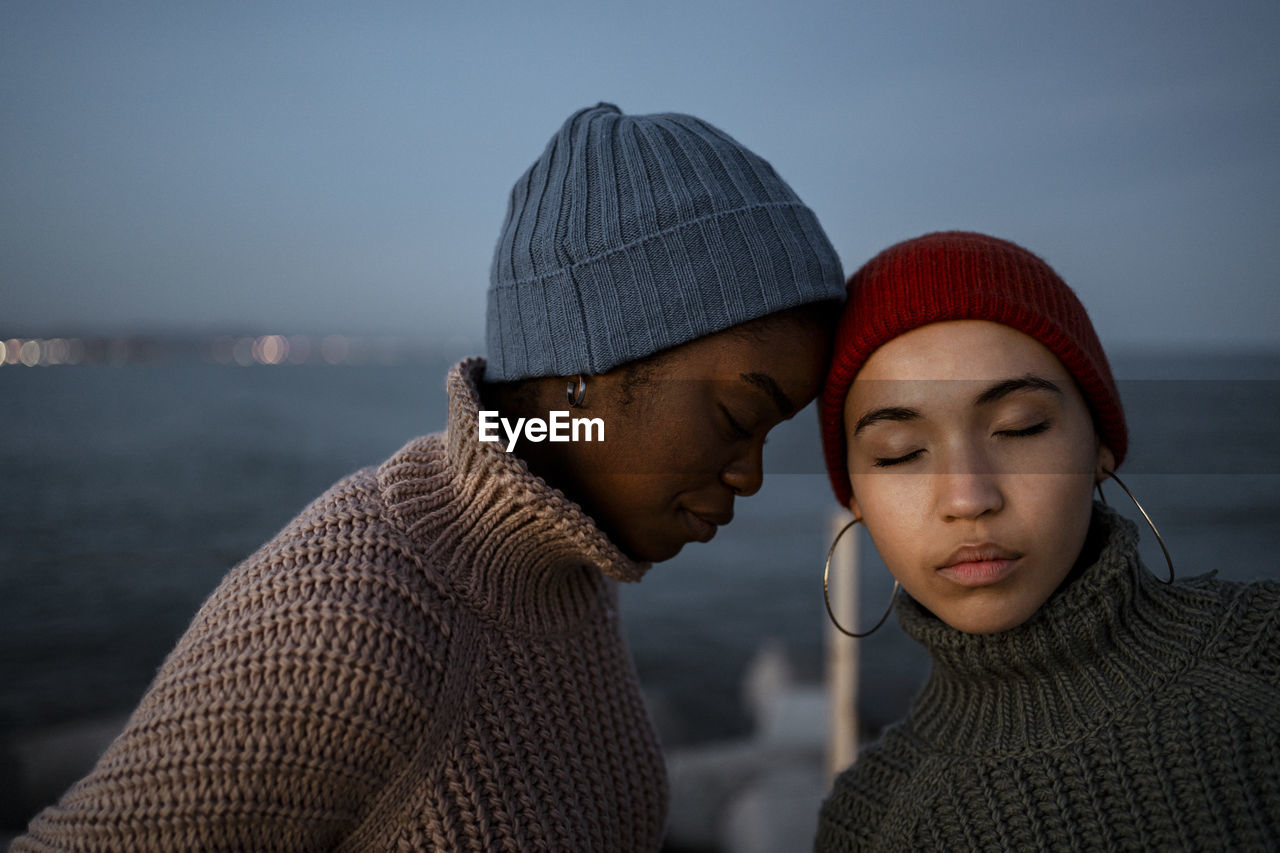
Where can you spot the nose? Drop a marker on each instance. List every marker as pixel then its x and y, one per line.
pixel 969 489
pixel 745 473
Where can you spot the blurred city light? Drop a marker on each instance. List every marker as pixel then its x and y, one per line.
pixel 270 350
pixel 29 353
pixel 299 349
pixel 334 349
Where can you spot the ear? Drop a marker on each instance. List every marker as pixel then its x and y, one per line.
pixel 1106 462
pixel 854 508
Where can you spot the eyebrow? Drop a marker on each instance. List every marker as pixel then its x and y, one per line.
pixel 888 413
pixel 769 385
pixel 1030 382
pixel 998 391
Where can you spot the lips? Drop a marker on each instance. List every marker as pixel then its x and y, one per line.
pixel 979 565
pixel 702 526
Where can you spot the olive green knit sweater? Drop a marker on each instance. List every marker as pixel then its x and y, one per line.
pixel 427 658
pixel 1126 714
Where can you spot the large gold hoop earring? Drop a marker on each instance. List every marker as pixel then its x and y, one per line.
pixel 577 391
pixel 1150 523
pixel 826 594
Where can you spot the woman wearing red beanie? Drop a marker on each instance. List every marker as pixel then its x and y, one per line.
pixel 1076 700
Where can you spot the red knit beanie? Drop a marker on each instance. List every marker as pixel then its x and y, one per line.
pixel 956 275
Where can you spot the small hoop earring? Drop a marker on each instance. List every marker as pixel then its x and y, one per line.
pixel 1150 523
pixel 826 594
pixel 578 394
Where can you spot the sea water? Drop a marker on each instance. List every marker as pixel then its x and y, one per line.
pixel 126 493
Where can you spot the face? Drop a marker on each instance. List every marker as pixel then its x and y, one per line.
pixel 688 438
pixel 973 459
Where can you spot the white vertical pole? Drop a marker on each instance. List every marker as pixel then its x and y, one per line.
pixel 842 651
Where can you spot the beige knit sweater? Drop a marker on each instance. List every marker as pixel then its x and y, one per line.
pixel 427 658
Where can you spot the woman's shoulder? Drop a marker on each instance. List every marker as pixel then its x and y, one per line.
pixel 1247 637
pixel 342 568
pixel 352 525
pixel 345 530
pixel 1231 631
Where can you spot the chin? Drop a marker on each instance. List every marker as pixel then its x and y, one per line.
pixel 985 623
pixel 653 553
pixel 667 554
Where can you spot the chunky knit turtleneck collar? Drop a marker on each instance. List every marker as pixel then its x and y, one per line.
pixel 1107 638
pixel 515 548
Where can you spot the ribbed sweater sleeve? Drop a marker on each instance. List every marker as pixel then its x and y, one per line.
pixel 300 690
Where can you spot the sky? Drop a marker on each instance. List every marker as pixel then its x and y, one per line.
pixel 322 167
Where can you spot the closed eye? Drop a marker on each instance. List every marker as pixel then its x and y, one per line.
pixel 1034 429
pixel 889 462
pixel 737 428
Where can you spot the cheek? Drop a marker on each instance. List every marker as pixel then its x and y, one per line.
pixel 635 511
pixel 893 508
pixel 647 447
pixel 1061 486
pixel 670 435
pixel 1060 506
pixel 882 494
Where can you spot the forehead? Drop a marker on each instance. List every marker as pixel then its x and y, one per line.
pixel 973 350
pixel 789 351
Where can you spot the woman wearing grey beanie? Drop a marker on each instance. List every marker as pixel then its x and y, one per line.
pixel 429 657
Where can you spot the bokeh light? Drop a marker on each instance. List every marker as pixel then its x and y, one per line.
pixel 242 351
pixel 270 349
pixel 29 353
pixel 334 349
pixel 225 350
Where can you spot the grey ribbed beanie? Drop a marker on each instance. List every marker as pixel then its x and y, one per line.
pixel 633 234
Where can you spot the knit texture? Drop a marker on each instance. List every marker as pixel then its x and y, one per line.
pixel 428 658
pixel 632 234
pixel 959 275
pixel 1124 715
